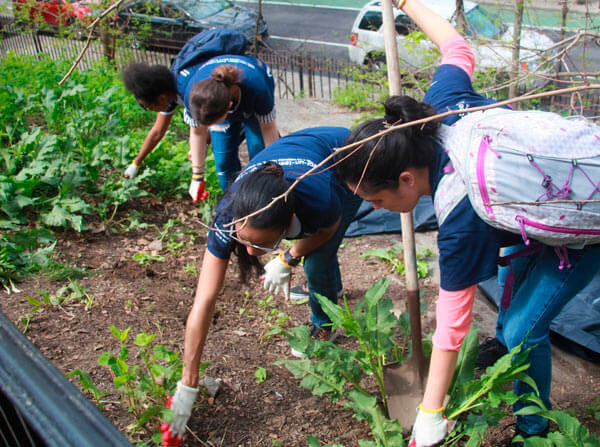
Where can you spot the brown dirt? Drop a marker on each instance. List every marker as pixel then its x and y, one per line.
pixel 156 298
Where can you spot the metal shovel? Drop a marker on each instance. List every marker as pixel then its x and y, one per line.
pixel 404 383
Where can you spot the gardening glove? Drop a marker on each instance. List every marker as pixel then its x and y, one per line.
pixel 277 277
pixel 430 428
pixel 131 170
pixel 181 404
pixel 196 190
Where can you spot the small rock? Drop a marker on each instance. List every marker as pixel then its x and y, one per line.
pixel 155 245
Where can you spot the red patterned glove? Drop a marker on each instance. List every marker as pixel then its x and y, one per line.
pixel 197 191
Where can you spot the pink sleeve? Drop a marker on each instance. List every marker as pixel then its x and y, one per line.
pixel 453 318
pixel 456 51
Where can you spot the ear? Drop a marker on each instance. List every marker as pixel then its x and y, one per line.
pixel 230 105
pixel 406 178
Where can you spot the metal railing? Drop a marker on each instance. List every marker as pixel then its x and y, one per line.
pixel 295 75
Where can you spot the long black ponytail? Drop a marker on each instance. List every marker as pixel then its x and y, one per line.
pixel 256 190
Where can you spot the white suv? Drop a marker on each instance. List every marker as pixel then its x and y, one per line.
pixel 489 39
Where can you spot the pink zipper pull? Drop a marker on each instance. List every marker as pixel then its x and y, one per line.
pixel 488 140
pixel 559 253
pixel 522 228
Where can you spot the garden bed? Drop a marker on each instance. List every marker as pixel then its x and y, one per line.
pixel 156 297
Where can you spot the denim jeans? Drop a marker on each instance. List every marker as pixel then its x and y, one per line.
pixel 540 292
pixel 321 266
pixel 226 138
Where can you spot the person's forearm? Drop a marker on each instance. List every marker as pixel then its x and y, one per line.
pixel 307 245
pixel 441 370
pixel 200 317
pixel 156 133
pixel 437 28
pixel 269 131
pixel 198 148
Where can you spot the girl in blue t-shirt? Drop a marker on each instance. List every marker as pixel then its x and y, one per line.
pixel 226 99
pixel 315 214
pixel 408 163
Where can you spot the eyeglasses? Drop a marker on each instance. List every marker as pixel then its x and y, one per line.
pixel 258 247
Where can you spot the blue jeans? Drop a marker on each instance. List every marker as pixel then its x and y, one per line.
pixel 540 292
pixel 226 138
pixel 321 266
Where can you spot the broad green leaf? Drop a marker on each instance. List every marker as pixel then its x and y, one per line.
pixel 142 339
pixel 260 374
pixel 466 359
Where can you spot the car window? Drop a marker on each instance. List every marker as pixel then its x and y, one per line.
pixel 171 12
pixel 200 9
pixel 371 21
pixel 404 25
pixel 481 23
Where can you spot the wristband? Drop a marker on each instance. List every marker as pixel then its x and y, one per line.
pixel 439 410
pixel 289 260
pixel 135 164
pixel 400 6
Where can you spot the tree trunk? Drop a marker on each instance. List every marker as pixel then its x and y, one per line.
pixel 461 21
pixel 512 92
pixel 258 19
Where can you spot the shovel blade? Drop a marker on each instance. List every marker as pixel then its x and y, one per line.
pixel 404 391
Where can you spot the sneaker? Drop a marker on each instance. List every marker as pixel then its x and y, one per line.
pixel 300 293
pixel 490 351
pixel 317 333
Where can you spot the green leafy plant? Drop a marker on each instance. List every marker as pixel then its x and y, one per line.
pixel 146 258
pixel 570 432
pixel 260 374
pixel 594 409
pixel 276 320
pixel 394 256
pixel 144 380
pixel 338 373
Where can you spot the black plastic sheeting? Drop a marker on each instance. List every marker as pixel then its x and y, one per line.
pixel 576 328
pixel 371 221
pixel 45 401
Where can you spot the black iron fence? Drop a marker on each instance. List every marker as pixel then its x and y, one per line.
pixel 295 75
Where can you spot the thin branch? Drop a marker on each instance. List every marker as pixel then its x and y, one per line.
pixel 91 27
pixel 409 124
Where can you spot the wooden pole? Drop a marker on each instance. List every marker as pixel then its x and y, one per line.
pixel 408 233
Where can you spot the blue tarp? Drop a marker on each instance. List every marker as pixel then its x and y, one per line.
pixel 577 326
pixel 371 221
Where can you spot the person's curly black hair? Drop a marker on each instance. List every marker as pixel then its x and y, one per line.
pixel 148 82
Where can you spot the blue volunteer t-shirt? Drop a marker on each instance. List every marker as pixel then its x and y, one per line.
pixel 468 247
pixel 257 86
pixel 318 197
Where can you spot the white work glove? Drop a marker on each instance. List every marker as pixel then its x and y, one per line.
pixel 181 404
pixel 197 191
pixel 277 277
pixel 131 170
pixel 430 428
